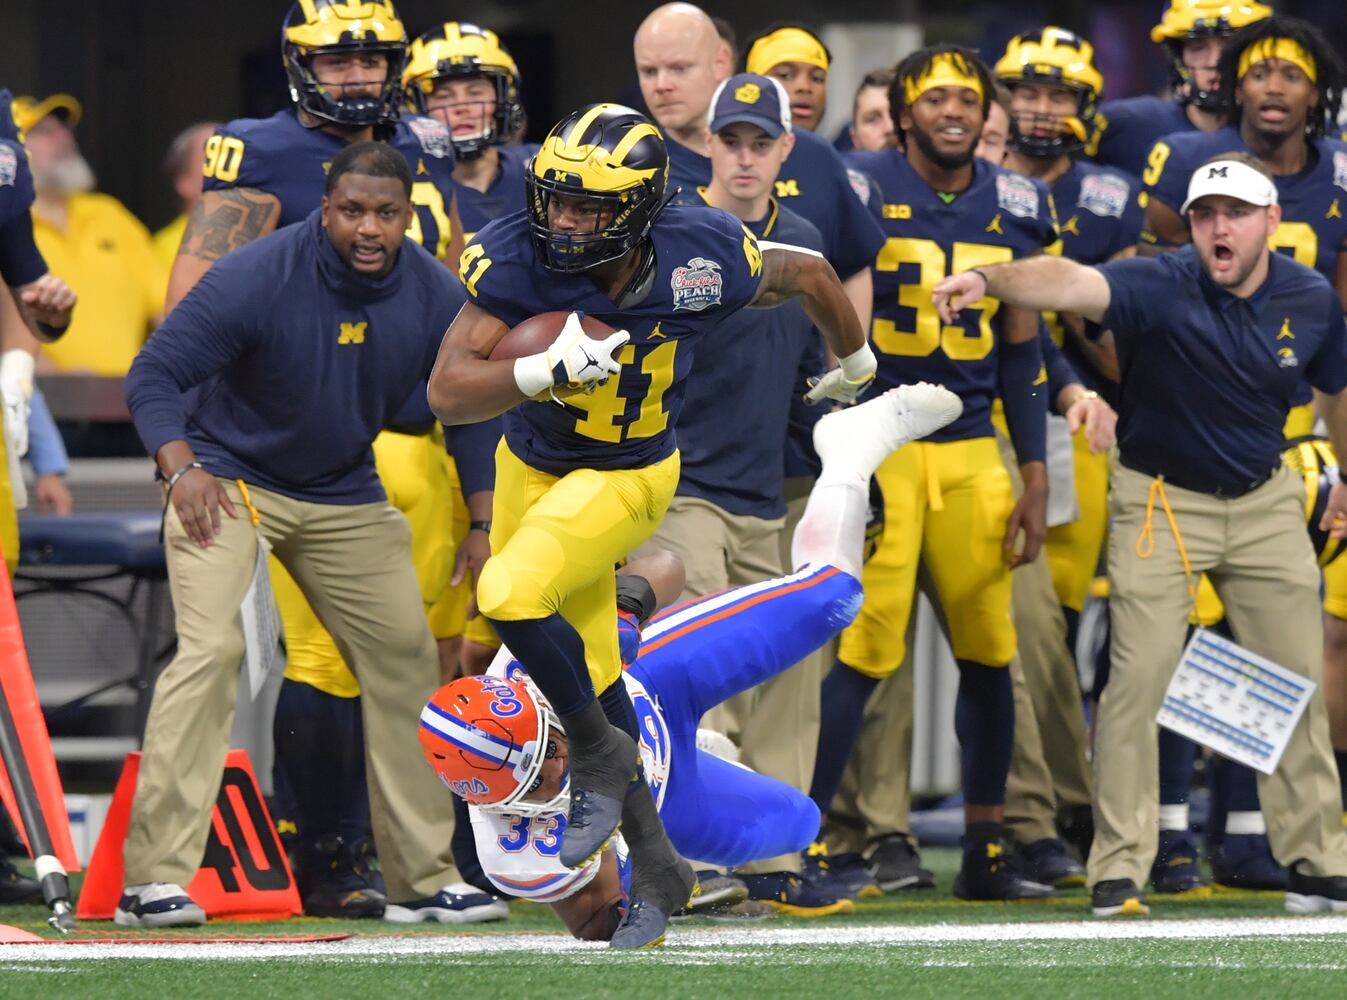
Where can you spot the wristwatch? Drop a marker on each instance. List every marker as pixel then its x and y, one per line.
pixel 480 526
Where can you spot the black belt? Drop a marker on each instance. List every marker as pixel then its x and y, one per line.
pixel 1222 491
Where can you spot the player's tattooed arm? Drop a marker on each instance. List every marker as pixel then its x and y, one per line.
pixel 789 273
pixel 221 221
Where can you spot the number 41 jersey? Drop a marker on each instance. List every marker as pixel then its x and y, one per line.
pixel 280 156
pixel 1000 217
pixel 707 265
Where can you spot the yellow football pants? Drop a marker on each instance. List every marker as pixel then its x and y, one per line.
pixel 556 539
pixel 1073 549
pixel 945 506
pixel 416 475
pixel 9 517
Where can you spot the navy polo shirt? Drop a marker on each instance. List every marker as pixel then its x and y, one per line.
pixel 1208 378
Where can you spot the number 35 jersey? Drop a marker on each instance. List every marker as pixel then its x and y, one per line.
pixel 1000 217
pixel 1313 229
pixel 707 265
pixel 280 156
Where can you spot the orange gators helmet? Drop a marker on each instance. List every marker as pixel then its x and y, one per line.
pixel 487 738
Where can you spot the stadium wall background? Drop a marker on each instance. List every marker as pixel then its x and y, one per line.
pixel 145 68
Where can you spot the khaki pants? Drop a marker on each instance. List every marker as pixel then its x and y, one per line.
pixel 776 723
pixel 353 564
pixel 1259 558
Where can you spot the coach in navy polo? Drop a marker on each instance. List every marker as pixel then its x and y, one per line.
pixel 301 348
pixel 1212 341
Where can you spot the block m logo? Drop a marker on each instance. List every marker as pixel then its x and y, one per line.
pixel 352 333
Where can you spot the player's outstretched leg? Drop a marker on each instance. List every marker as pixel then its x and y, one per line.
pixel 866 434
pixel 603 759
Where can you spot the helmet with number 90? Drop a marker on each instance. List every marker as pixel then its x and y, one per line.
pixel 1312 459
pixel 1186 20
pixel 335 27
pixel 457 50
pixel 487 738
pixel 1056 58
pixel 604 154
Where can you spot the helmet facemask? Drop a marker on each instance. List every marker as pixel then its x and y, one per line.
pixel 329 103
pixel 504 120
pixel 624 220
pixel 1181 75
pixel 1073 130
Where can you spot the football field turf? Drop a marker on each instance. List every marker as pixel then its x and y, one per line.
pixel 1227 946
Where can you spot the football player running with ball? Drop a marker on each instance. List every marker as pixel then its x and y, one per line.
pixel 496 742
pixel 589 463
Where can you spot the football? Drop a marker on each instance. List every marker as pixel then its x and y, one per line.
pixel 536 334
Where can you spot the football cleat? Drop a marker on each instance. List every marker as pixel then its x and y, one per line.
pixel 895 864
pixel 714 892
pixel 1315 893
pixel 851 871
pixel 456 903
pixel 1245 861
pixel 1176 869
pixel 1050 862
pixel 989 872
pixel 157 904
pixel 864 435
pixel 817 869
pixel 330 884
pixel 1118 897
pixel 788 893
pixel 647 918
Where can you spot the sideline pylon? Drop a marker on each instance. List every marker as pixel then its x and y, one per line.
pixel 244 874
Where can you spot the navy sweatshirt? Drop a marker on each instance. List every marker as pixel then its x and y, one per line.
pixel 299 360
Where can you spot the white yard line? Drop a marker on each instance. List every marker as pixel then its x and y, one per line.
pixel 746 943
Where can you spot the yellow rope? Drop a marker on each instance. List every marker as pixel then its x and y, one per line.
pixel 248 502
pixel 1146 540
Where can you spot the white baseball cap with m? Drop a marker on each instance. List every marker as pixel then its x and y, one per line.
pixel 1232 179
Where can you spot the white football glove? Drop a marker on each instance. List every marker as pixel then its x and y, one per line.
pixel 573 361
pixel 847 381
pixel 16 394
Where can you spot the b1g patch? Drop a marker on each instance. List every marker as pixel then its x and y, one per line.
pixel 1340 169
pixel 9 166
pixel 1104 194
pixel 432 135
pixel 697 285
pixel 1017 195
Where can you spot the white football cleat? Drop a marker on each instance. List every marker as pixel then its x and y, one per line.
pixel 862 436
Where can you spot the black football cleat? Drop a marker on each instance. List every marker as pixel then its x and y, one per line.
pixel 895 864
pixel 714 892
pixel 1118 897
pixel 646 921
pixel 331 884
pixel 989 873
pixel 600 776
pixel 16 887
pixel 1049 861
pixel 1176 869
pixel 1245 861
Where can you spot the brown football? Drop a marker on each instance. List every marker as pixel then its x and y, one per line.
pixel 536 334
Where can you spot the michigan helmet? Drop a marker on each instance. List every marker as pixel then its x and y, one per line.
pixel 1059 58
pixel 487 738
pixel 456 49
pixel 321 27
pixel 1312 459
pixel 1189 19
pixel 604 153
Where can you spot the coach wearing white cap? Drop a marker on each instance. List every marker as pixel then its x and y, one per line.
pixel 1212 341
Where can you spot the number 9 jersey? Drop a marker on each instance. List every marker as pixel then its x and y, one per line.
pixel 280 156
pixel 1001 216
pixel 706 266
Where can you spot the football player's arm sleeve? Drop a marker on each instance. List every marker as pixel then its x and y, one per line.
pixel 1024 384
pixel 21 262
pixel 1059 370
pixel 474 449
pixel 212 326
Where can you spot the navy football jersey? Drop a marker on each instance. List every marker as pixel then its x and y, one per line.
pixel 1098 215
pixel 505 195
pixel 280 156
pixel 1000 217
pixel 813 183
pixel 1314 202
pixel 1125 130
pixel 707 265
pixel 732 433
pixel 20 260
